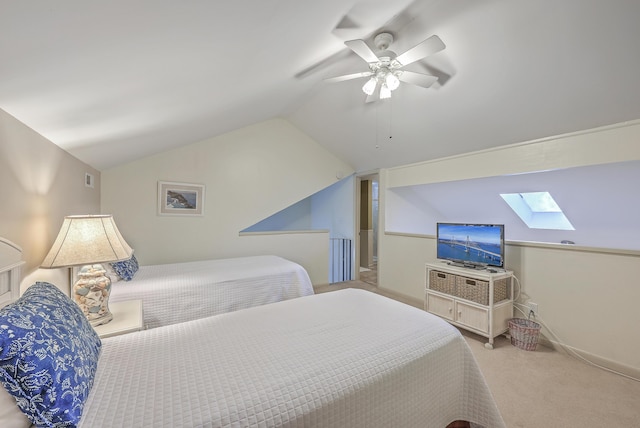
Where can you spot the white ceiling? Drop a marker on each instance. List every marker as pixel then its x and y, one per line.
pixel 115 81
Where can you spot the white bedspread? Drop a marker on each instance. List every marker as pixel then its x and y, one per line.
pixel 178 292
pixel 347 358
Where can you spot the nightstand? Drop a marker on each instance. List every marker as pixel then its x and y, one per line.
pixel 127 318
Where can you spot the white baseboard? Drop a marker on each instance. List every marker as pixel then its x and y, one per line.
pixel 591 358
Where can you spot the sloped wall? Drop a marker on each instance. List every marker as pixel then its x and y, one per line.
pixel 249 174
pixel 39 184
pixel 597 199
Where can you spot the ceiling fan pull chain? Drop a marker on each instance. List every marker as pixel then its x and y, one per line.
pixel 390 119
pixel 377 125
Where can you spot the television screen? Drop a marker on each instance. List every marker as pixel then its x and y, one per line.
pixel 472 245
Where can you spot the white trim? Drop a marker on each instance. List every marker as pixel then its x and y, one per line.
pixel 607 144
pixel 532 244
pixel 283 232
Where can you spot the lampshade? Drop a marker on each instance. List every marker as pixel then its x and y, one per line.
pixel 385 92
pixel 86 239
pixel 392 81
pixel 370 86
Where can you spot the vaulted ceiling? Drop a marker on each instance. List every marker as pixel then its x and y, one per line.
pixel 115 81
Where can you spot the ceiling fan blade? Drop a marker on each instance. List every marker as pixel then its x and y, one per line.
pixel 362 49
pixel 323 63
pixel 423 49
pixel 418 79
pixel 349 77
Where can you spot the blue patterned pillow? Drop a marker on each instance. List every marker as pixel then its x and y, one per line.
pixel 48 355
pixel 126 268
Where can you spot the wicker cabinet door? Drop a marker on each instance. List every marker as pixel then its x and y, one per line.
pixel 441 306
pixel 472 316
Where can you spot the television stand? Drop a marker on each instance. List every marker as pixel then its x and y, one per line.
pixel 476 300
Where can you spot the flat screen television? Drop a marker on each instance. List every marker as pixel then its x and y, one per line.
pixel 471 245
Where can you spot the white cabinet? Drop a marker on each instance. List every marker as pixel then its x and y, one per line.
pixel 476 300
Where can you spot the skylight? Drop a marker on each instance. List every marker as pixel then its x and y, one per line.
pixel 540 202
pixel 538 210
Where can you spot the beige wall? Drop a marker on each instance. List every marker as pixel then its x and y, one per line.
pixel 587 297
pixel 39 185
pixel 249 174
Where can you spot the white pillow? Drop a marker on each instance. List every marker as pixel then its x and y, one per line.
pixel 10 413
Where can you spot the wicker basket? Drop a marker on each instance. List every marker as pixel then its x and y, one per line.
pixel 443 282
pixel 478 291
pixel 524 333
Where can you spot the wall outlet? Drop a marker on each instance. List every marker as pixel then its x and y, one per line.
pixel 534 308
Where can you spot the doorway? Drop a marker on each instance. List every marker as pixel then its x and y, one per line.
pixel 368 228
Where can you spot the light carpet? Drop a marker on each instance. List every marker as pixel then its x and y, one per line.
pixel 543 388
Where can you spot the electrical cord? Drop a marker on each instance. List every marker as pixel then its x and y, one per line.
pixel 557 339
pixel 517 296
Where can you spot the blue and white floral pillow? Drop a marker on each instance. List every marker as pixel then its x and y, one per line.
pixel 126 269
pixel 48 355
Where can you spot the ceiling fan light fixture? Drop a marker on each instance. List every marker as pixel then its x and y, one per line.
pixel 370 86
pixel 386 68
pixel 385 92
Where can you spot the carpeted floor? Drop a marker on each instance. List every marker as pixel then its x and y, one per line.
pixel 543 388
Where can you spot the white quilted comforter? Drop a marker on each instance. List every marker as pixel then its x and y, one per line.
pixel 341 359
pixel 178 292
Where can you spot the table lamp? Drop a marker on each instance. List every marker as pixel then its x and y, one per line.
pixel 87 241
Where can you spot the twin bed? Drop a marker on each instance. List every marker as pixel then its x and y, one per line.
pixel 179 292
pixel 347 358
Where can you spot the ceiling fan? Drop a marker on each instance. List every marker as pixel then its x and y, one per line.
pixel 386 68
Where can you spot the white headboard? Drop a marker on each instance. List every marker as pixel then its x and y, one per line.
pixel 10 271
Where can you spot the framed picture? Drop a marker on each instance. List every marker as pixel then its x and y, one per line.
pixel 180 198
